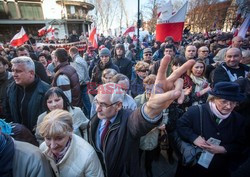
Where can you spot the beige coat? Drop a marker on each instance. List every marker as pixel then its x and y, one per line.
pixel 29 161
pixel 80 123
pixel 80 160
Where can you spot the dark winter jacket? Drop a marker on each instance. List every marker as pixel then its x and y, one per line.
pixel 230 131
pixel 25 105
pixel 99 68
pixel 124 65
pixel 121 145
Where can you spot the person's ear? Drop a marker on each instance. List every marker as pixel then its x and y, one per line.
pixel 119 106
pixel 6 66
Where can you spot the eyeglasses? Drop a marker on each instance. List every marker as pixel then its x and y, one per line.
pixel 143 71
pixel 227 102
pixel 148 54
pixel 104 105
pixel 204 51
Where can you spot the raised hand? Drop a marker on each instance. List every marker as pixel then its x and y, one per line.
pixel 166 90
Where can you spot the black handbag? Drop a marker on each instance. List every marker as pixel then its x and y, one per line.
pixel 189 152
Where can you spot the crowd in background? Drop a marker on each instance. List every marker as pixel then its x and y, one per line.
pixel 50 97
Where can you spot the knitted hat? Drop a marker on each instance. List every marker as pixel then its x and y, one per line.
pixel 104 52
pixel 228 91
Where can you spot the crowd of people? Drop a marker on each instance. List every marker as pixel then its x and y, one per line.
pixel 111 111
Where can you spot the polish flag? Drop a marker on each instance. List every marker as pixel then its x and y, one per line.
pixel 20 38
pixel 93 38
pixel 172 26
pixel 244 27
pixel 42 31
pixel 50 29
pixel 129 30
pixel 165 10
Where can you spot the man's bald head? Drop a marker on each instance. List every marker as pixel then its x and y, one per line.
pixel 237 42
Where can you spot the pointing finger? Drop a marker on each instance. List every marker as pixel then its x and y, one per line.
pixel 161 75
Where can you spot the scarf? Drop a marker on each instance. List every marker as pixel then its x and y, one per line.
pixel 6 155
pixel 60 156
pixel 216 112
pixel 200 82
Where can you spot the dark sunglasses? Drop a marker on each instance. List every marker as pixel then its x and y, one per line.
pixel 148 54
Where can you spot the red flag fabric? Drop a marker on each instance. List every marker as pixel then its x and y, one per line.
pixel 172 26
pixel 42 31
pixel 93 38
pixel 129 30
pixel 20 38
pixel 50 29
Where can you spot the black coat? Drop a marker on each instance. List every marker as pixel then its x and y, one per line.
pixel 33 105
pixel 121 146
pixel 230 131
pixel 124 65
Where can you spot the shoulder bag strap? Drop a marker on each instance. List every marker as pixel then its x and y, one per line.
pixel 200 110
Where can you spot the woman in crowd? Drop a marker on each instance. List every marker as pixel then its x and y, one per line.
pixel 107 75
pixel 219 121
pixel 141 69
pixel 200 84
pixel 68 154
pixel 55 99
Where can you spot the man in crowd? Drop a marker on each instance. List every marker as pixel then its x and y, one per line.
pixel 168 50
pixel 231 69
pixel 236 43
pixel 39 68
pixel 5 80
pixel 81 68
pixel 203 53
pixel 21 159
pixel 115 132
pixel 73 37
pixel 124 64
pixel 25 96
pixel 190 52
pixel 66 77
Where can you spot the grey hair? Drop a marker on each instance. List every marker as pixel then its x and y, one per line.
pixel 109 71
pixel 112 89
pixel 27 61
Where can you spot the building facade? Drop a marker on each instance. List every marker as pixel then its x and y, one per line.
pixel 63 15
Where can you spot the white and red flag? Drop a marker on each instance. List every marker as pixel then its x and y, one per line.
pixel 172 26
pixel 93 38
pixel 20 38
pixel 165 10
pixel 50 29
pixel 42 31
pixel 244 27
pixel 129 30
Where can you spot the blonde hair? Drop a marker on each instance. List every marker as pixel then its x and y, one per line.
pixel 141 65
pixel 57 122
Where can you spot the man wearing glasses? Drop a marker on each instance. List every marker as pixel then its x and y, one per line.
pixel 115 132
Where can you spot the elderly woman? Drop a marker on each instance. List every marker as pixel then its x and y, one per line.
pixel 220 122
pixel 56 99
pixel 68 154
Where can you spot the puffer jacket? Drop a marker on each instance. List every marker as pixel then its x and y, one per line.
pixel 80 123
pixel 80 160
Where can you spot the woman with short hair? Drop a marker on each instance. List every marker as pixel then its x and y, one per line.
pixel 68 154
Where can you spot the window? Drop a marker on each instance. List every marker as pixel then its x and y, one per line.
pixel 31 11
pixel 12 10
